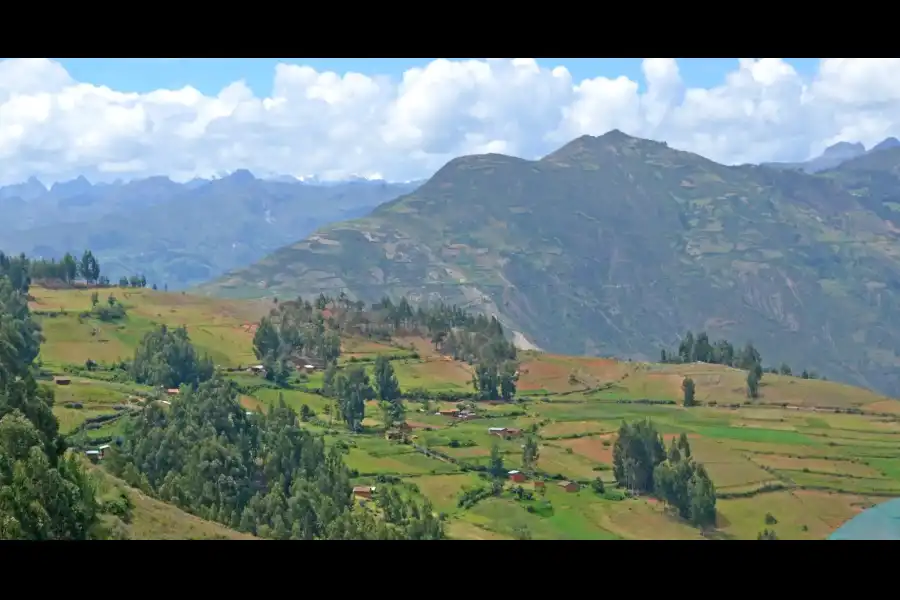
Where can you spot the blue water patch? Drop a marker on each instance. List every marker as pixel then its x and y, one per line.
pixel 880 522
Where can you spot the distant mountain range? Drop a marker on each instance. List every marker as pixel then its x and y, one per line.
pixel 178 234
pixel 835 156
pixel 615 245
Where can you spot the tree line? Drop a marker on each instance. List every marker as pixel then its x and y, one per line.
pixel 643 465
pixel 44 492
pixel 722 352
pixel 22 271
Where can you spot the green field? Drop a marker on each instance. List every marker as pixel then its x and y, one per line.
pixel 789 454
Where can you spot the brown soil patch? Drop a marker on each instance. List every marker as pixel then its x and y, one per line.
pixel 545 375
pixel 884 406
pixel 592 447
pixel 253 404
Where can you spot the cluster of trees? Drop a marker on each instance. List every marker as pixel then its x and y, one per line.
pixel 111 310
pixel 294 330
pixel 259 473
pixel 135 281
pixel 44 494
pixel 21 270
pixel 721 352
pixel 165 357
pixel 642 464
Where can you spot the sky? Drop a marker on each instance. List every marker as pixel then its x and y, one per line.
pixel 402 119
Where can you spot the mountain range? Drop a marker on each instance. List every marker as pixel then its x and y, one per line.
pixel 615 245
pixel 835 156
pixel 178 234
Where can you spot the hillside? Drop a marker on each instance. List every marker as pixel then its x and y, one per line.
pixel 150 519
pixel 220 225
pixel 808 454
pixel 616 245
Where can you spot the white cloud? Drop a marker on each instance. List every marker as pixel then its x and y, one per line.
pixel 334 125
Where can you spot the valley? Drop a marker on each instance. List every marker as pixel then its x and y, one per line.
pixel 800 459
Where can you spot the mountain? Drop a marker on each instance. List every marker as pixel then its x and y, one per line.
pixel 835 156
pixel 614 245
pixel 178 234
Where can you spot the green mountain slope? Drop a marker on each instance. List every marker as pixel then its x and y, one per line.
pixel 615 245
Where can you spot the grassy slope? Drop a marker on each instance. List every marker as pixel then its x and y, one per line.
pixel 824 466
pixel 155 520
pixel 615 246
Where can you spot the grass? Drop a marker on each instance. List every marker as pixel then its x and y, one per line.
pixel 155 520
pixel 824 466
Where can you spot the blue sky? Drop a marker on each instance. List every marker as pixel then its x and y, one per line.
pixel 210 75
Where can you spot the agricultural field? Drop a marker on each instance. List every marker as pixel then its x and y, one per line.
pixel 795 460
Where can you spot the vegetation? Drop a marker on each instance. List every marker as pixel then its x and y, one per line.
pixel 261 474
pixel 640 241
pixel 166 358
pixel 44 494
pixel 816 462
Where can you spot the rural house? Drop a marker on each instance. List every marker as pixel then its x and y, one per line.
pixel 93 455
pixel 102 449
pixel 172 391
pixel 517 476
pixel 466 415
pixel 62 381
pixel 452 412
pixel 257 369
pixel 363 491
pixel 569 486
pixel 513 432
pixel 501 431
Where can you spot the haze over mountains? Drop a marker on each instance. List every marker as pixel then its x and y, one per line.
pixel 178 234
pixel 835 156
pixel 615 245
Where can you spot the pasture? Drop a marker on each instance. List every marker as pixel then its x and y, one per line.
pixel 794 460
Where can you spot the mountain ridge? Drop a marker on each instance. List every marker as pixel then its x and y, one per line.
pixel 177 234
pixel 619 250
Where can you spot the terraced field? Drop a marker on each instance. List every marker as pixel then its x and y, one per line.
pixel 803 458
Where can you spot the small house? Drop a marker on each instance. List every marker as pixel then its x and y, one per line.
pixel 172 392
pixel 453 412
pixel 569 486
pixel 501 431
pixel 257 369
pixel 466 415
pixel 62 381
pixel 309 368
pixel 513 432
pixel 517 476
pixel 93 455
pixel 363 491
pixel 102 450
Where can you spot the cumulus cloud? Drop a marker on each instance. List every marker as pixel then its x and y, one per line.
pixel 336 125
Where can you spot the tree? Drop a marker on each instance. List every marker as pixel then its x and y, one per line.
pixel 752 384
pixel 496 469
pixel 95 299
pixel 43 495
pixel 508 377
pixel 687 387
pixel 70 268
pixel 485 381
pixel 637 451
pixel 266 340
pixel 110 300
pixel 386 383
pixel 530 453
pixel 785 369
pixel 165 357
pixel 353 391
